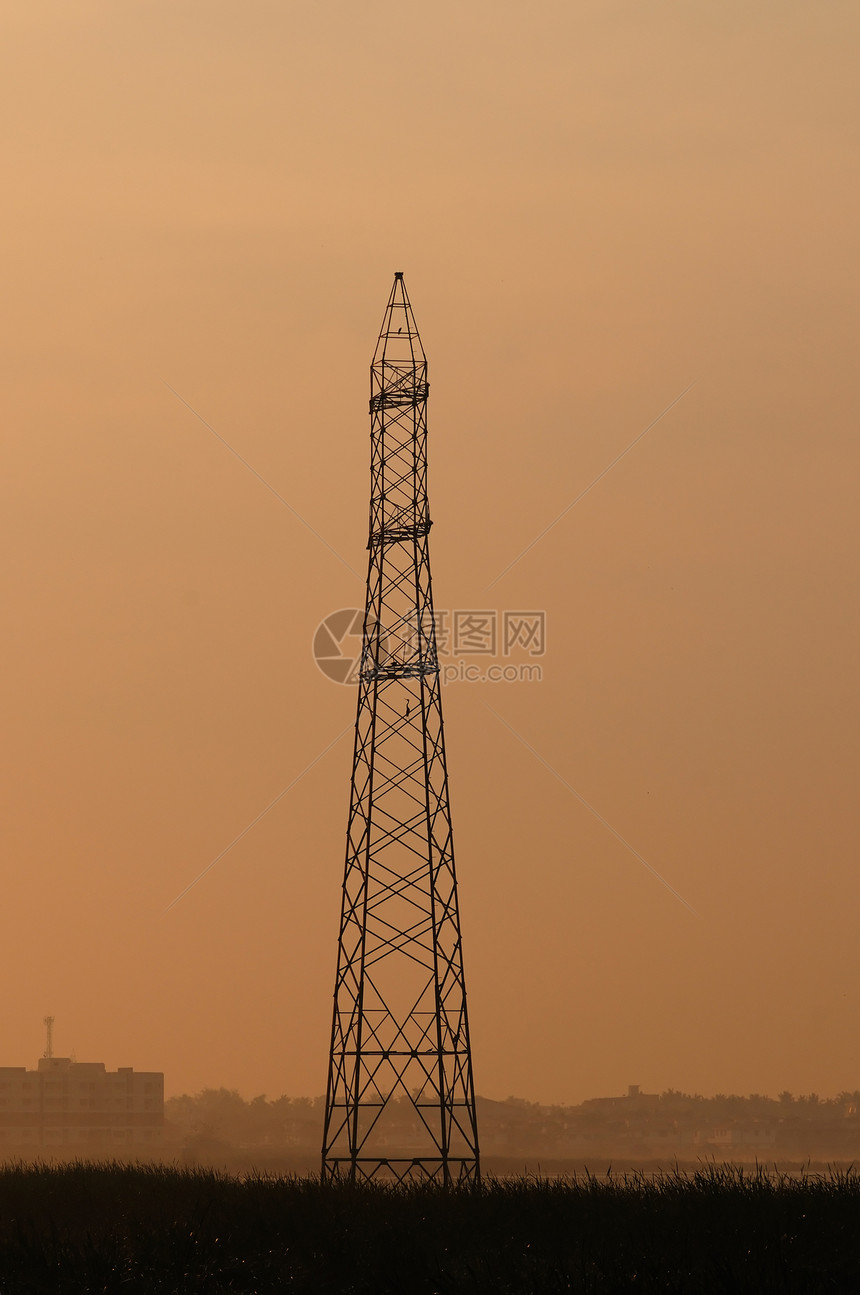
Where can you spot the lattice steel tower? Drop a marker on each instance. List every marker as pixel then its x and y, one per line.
pixel 400 1098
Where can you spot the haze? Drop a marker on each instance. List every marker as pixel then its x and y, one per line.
pixel 594 205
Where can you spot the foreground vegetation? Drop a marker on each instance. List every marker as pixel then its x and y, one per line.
pixel 151 1228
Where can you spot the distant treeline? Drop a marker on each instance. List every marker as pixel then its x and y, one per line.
pixel 219 1118
pixel 687 1125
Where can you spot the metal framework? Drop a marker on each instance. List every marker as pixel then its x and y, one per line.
pixel 400 1100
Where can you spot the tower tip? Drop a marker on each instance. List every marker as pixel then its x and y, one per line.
pixel 398 274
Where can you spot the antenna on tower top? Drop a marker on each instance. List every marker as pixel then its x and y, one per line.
pixel 49 1030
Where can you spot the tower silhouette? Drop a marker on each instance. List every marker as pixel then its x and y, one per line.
pixel 400 1099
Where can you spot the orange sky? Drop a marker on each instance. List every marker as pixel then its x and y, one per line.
pixel 594 204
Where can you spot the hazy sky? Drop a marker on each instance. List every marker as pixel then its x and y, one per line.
pixel 595 203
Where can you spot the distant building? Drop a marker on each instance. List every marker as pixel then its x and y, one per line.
pixel 634 1101
pixel 79 1108
pixel 733 1136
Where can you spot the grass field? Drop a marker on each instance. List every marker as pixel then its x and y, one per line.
pixel 105 1228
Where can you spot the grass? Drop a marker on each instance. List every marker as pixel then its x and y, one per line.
pixel 152 1228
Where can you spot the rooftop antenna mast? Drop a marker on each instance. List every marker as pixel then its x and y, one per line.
pixel 400 1100
pixel 48 1022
